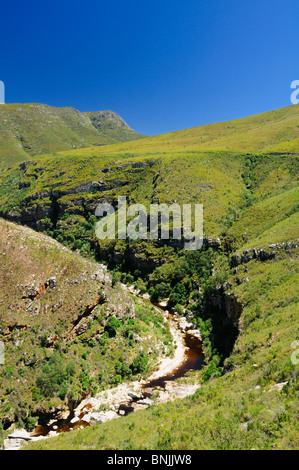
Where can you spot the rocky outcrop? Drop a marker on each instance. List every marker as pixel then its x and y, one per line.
pixel 187 327
pixel 32 214
pixel 33 291
pixel 17 439
pixel 262 254
pixel 224 309
pixel 212 243
pixel 225 305
pixel 101 118
pixel 233 308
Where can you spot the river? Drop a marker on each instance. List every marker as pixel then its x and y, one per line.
pixel 160 387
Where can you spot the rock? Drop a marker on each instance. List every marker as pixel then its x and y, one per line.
pixel 51 282
pixel 184 325
pixel 102 417
pixel 278 386
pixel 24 184
pixel 75 419
pixel 86 418
pixel 261 254
pixel 212 242
pixel 16 440
pixel 233 308
pixel 145 402
pixel 134 395
pixel 194 333
pixel 20 434
pixel 146 296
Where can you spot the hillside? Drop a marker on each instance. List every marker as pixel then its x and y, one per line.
pixel 65 327
pixel 33 129
pixel 274 131
pixel 250 404
pixel 240 289
pixel 247 395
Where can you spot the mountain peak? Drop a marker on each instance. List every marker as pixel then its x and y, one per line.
pixel 101 119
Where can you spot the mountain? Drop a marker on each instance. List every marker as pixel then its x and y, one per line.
pixel 33 129
pixel 164 168
pixel 240 289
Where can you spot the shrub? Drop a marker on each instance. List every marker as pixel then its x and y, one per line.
pixel 54 378
pixel 112 325
pixel 139 364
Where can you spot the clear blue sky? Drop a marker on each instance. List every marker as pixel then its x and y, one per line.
pixel 162 65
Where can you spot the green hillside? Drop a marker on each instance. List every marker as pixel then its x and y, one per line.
pixel 240 289
pixel 65 327
pixel 250 404
pixel 33 129
pixel 274 131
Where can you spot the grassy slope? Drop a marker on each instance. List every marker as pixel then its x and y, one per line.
pixel 243 409
pixel 214 174
pixel 254 405
pixel 243 190
pixel 67 320
pixel 32 129
pixel 273 131
pixel 209 178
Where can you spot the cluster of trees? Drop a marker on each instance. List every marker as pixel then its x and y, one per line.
pixel 61 378
pixel 183 280
pixel 56 376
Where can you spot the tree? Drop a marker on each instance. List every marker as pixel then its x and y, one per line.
pixel 139 364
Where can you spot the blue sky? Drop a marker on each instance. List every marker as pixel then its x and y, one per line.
pixel 162 65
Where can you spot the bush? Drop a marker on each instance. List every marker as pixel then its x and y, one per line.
pixel 55 377
pixel 31 422
pixel 178 294
pixel 179 309
pixel 159 292
pixel 213 369
pixel 116 379
pixel 116 277
pixel 112 325
pixel 85 380
pixel 122 369
pixel 139 364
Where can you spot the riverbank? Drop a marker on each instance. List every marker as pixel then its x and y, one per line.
pixel 159 387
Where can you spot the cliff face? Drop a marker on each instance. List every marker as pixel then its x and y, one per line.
pixel 262 254
pixel 224 309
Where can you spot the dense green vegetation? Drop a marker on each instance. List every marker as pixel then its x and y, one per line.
pixel 240 289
